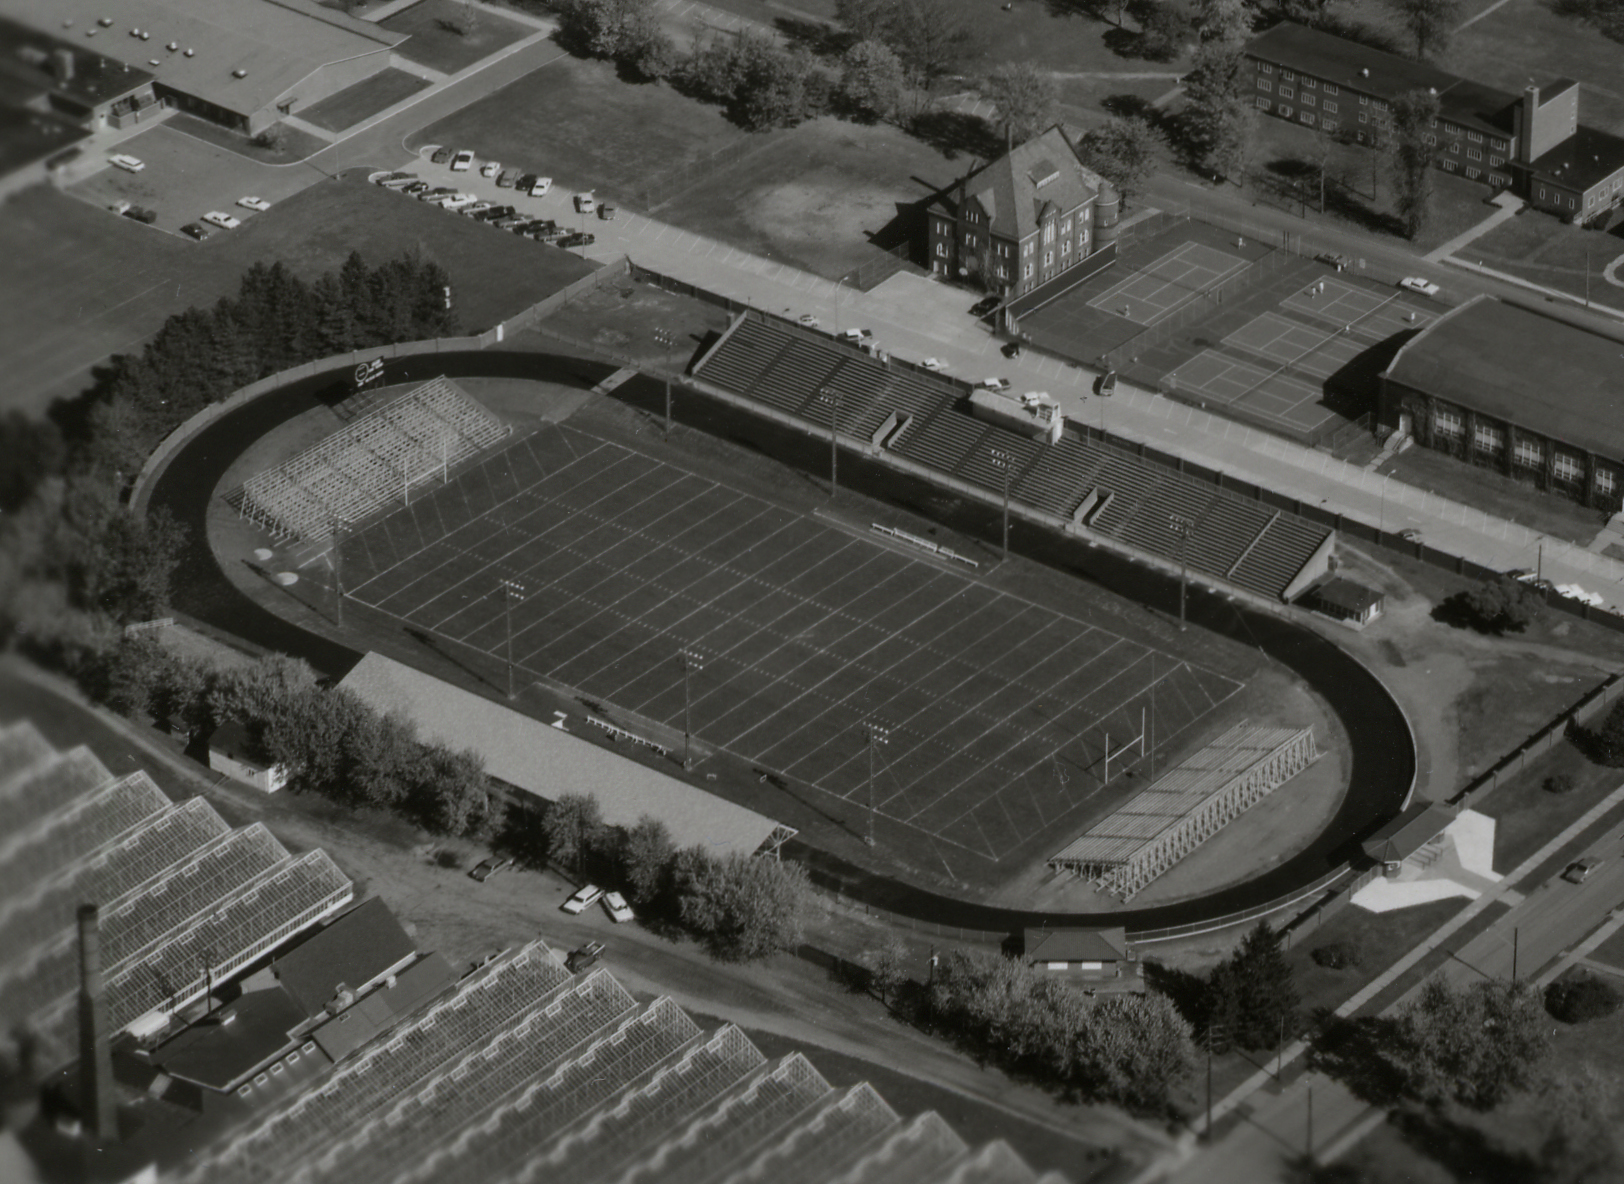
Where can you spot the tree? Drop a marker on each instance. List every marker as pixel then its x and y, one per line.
pixel 1123 150
pixel 451 794
pixel 928 35
pixel 646 857
pixel 1502 605
pixel 744 908
pixel 619 30
pixel 1222 22
pixel 572 826
pixel 1254 993
pixel 1410 157
pixel 1584 1144
pixel 1582 998
pixel 872 80
pixel 1475 1045
pixel 1219 120
pixel 1134 1050
pixel 1026 98
pixel 889 967
pixel 1164 30
pixel 30 450
pixel 1430 22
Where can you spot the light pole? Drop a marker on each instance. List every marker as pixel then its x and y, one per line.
pixel 338 572
pixel 510 589
pixel 668 339
pixel 1181 526
pixel 834 440
pixel 691 660
pixel 1215 1034
pixel 1005 462
pixel 877 733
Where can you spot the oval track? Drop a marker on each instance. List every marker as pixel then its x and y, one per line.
pixel 1382 757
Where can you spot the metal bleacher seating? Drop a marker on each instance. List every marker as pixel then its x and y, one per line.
pixel 369 462
pixel 74 830
pixel 798 371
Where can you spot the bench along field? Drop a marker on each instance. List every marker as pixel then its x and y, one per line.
pixel 782 638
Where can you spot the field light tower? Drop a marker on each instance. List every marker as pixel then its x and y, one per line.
pixel 1182 527
pixel 834 438
pixel 691 660
pixel 877 735
pixel 668 339
pixel 338 571
pixel 510 589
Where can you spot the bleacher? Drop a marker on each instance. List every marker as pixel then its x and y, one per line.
pixel 794 370
pixel 368 463
pixel 74 831
pixel 153 846
pixel 482 1005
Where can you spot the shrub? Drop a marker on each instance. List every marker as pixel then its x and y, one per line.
pixel 1561 783
pixel 1582 998
pixel 1337 955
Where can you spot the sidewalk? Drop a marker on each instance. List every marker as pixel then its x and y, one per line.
pixel 1509 205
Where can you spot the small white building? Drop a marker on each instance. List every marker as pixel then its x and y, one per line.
pixel 230 753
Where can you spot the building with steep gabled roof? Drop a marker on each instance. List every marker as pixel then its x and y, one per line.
pixel 1020 220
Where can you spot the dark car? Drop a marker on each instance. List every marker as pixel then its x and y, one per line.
pixel 1107 384
pixel 441 155
pixel 195 230
pixel 984 306
pixel 584 958
pixel 437 191
pixel 1332 259
pixel 1012 349
pixel 509 222
pixel 504 179
pixel 486 868
pixel 527 226
pixel 495 212
pixel 414 188
pixel 524 183
pixel 577 240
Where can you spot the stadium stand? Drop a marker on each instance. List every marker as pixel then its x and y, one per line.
pixel 1156 828
pixel 368 463
pixel 75 830
pixel 809 375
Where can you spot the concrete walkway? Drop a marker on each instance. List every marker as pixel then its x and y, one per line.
pixel 1509 205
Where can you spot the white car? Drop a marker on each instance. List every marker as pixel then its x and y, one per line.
pixel 934 365
pixel 457 201
pixel 615 905
pixel 477 207
pixel 583 900
pixel 1415 283
pixel 540 186
pixel 223 221
pixel 808 320
pixel 856 334
pixel 120 206
pixel 128 163
pixel 585 203
pixel 490 168
pixel 994 384
pixel 254 203
pixel 462 161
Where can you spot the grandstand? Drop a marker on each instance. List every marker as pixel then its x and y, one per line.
pixel 525 1074
pixel 1155 829
pixel 917 416
pixel 368 463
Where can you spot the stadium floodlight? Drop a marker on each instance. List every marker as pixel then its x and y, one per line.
pixel 338 571
pixel 1182 527
pixel 877 735
pixel 834 437
pixel 510 589
pixel 1006 462
pixel 691 660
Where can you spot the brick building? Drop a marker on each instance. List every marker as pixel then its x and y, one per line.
pixel 1517 390
pixel 1020 220
pixel 1532 144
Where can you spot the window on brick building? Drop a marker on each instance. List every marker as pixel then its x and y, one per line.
pixel 1330 88
pixel 1605 481
pixel 1489 438
pixel 1448 423
pixel 1527 453
pixel 1330 107
pixel 1309 100
pixel 1567 468
pixel 1262 103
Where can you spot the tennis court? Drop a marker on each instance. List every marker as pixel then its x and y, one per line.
pixel 618 564
pixel 1265 393
pixel 1156 290
pixel 1309 350
pixel 1375 316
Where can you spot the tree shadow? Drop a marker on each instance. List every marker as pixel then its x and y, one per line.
pixel 824 41
pixel 1465 1150
pixel 953 132
pixel 1354 1051
pixel 1186 991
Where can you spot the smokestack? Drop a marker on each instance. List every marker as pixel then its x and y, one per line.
pixel 96 1100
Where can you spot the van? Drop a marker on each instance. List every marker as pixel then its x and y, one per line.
pixel 584 203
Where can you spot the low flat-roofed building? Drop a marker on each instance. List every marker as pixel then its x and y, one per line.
pixel 357 949
pixel 378 1010
pixel 1416 830
pixel 1519 390
pixel 1346 600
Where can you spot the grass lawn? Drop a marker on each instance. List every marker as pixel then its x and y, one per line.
pixel 1525 39
pixel 576 121
pixel 435 43
pixel 1543 250
pixel 814 195
pixel 293 145
pixel 1611 951
pixel 1527 816
pixel 367 97
pixel 1382 939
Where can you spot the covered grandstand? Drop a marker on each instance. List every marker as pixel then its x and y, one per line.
pixel 918 417
pixel 1155 829
pixel 525 1073
pixel 369 463
pixel 185 900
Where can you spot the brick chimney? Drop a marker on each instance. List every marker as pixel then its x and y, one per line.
pixel 97 1102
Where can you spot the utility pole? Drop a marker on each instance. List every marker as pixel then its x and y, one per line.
pixel 668 339
pixel 1181 526
pixel 877 734
pixel 1006 462
pixel 510 589
pixel 691 660
pixel 338 572
pixel 1513 955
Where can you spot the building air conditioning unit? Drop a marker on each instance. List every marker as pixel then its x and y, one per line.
pixel 239 73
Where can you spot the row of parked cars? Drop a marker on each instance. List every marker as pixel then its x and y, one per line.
pixel 497 214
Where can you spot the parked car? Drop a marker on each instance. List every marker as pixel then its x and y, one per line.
pixel 1011 349
pixel 985 305
pixel 440 156
pixel 476 209
pixel 585 203
pixel 528 226
pixel 548 232
pixel 490 168
pixel 492 212
pixel 1415 283
pixel 1411 535
pixel 1533 579
pixel 615 905
pixel 193 230
pixel 509 221
pixel 462 160
pixel 858 335
pixel 1579 870
pixel 436 193
pixel 120 206
pixel 486 868
pixel 606 213
pixel 1332 259
pixel 583 959
pixel 458 202
pixel 577 240
pixel 1106 387
pixel 525 181
pixel 507 178
pixel 994 384
pixel 129 164
pixel 540 186
pixel 934 365
pixel 413 188
pixel 583 900
pixel 397 181
pixel 808 320
pixel 254 203
pixel 223 221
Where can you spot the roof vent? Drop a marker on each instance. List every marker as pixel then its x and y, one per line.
pixel 239 73
pixel 1365 72
pixel 188 53
pixel 145 36
pixel 1432 90
pixel 106 22
pixel 154 62
pixel 172 46
pixel 90 32
pixel 68 24
pixel 134 32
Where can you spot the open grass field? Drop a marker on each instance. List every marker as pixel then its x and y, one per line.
pixel 577 122
pixel 366 98
pixel 1546 252
pixel 996 706
pixel 434 41
pixel 81 284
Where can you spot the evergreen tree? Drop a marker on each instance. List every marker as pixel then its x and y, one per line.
pixel 1219 120
pixel 1265 990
